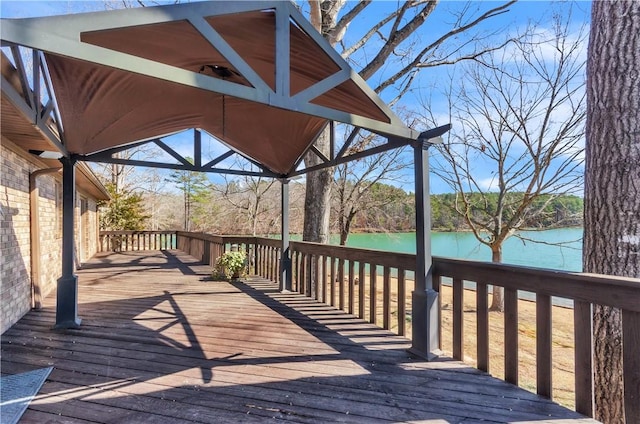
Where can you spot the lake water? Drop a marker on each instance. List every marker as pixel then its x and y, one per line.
pixel 545 253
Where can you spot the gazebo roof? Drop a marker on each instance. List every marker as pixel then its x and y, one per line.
pixel 256 75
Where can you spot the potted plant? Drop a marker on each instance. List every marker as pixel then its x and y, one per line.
pixel 231 264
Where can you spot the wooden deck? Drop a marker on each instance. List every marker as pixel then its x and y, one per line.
pixel 161 342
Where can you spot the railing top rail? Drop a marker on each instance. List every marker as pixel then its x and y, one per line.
pixel 271 242
pixel 201 236
pixel 131 232
pixel 404 261
pixel 620 292
pixel 232 239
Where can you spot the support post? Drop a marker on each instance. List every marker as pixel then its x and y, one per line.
pixel 67 290
pixel 285 257
pixel 197 148
pixel 424 311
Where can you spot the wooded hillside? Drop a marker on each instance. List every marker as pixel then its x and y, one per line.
pixel 253 207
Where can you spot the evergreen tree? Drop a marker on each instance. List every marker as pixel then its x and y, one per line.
pixel 194 187
pixel 125 210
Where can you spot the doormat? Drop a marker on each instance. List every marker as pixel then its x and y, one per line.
pixel 17 391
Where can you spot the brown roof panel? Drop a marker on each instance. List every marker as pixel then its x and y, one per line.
pixel 176 43
pixel 118 107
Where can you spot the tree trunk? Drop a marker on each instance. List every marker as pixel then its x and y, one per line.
pixel 318 196
pixel 323 16
pixel 345 228
pixel 497 298
pixel 612 182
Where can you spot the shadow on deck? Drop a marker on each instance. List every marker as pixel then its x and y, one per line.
pixel 161 342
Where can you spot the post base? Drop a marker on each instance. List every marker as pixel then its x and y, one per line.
pixel 65 325
pixel 425 322
pixel 67 303
pixel 429 356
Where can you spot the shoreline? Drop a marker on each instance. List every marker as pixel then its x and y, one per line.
pixel 454 230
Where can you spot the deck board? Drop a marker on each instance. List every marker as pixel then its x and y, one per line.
pixel 161 342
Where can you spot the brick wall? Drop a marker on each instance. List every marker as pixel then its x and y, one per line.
pixel 15 262
pixel 15 243
pixel 50 216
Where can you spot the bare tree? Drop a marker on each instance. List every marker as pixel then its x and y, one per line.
pixel 612 185
pixel 354 181
pixel 390 41
pixel 253 198
pixel 521 114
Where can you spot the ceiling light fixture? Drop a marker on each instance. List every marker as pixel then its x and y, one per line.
pixel 220 72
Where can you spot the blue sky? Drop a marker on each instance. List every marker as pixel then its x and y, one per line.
pixel 431 81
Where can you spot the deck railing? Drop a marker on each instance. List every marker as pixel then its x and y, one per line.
pixel 370 284
pixel 584 290
pixel 263 253
pixel 117 241
pixel 376 286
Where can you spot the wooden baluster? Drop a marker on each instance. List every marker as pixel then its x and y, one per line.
pixel 436 280
pixel 303 274
pixel 308 281
pixel 482 326
pixel 277 255
pixel 582 328
pixel 333 280
pixel 511 335
pixel 273 266
pixel 296 270
pixel 352 285
pixel 402 303
pixel 386 298
pixel 543 345
pixel 361 289
pixel 373 276
pixel 340 282
pixel 318 279
pixel 458 319
pixel 304 278
pixel 265 261
pixel 324 279
pixel 258 260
